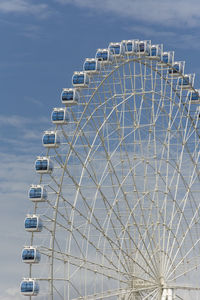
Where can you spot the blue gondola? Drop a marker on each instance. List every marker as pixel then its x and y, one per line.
pixel 31 255
pixel 167 57
pixel 155 51
pixel 43 165
pixel 80 79
pixel 37 193
pixel 177 68
pixel 185 82
pixel 60 116
pixel 194 96
pixel 104 56
pixel 131 46
pixel 91 65
pixel 33 223
pixel 70 97
pixel 51 139
pixel 29 287
pixel 144 47
pixel 117 49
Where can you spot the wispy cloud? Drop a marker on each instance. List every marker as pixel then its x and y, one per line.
pixel 32 31
pixel 24 6
pixel 34 101
pixel 19 121
pixel 183 13
pixel 11 293
pixel 16 175
pixel 15 172
pixel 13 120
pixel 186 40
pixel 22 134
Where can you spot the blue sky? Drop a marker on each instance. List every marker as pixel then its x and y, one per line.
pixel 42 43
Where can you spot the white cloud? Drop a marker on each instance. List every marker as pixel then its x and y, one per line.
pixel 16 174
pixel 166 13
pixel 32 31
pixel 24 6
pixel 189 40
pixel 13 120
pixel 12 293
pixel 20 121
pixel 33 100
pixel 22 134
pixel 151 32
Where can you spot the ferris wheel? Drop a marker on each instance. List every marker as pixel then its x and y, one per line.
pixel 116 208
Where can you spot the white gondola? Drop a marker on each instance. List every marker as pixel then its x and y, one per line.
pixel 51 139
pixel 144 48
pixel 37 193
pixel 186 81
pixel 91 65
pixel 60 116
pixel 117 49
pixel 33 223
pixel 177 68
pixel 194 96
pixel 80 79
pixel 104 56
pixel 30 255
pixel 156 51
pixel 43 165
pixel 29 287
pixel 131 46
pixel 70 97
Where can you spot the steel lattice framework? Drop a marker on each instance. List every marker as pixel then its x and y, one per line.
pixel 121 214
